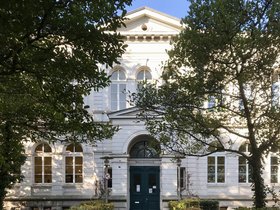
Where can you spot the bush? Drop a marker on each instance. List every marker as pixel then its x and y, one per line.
pixel 248 208
pixel 194 204
pixel 209 204
pixel 94 205
pixel 186 204
pixel 177 205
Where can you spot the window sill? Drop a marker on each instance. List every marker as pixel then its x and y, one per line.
pixel 72 185
pixel 216 184
pixel 43 185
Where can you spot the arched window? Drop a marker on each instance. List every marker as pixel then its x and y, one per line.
pixel 43 164
pixel 144 74
pixel 74 163
pixel 118 89
pixel 145 148
pixel 244 169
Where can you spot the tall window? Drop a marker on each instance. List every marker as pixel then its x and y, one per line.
pixel 43 164
pixel 275 90
pixel 143 75
pixel 183 177
pixel 74 164
pixel 244 169
pixel 274 169
pixel 110 180
pixel 216 99
pixel 118 90
pixel 216 169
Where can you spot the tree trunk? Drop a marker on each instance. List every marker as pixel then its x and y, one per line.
pixel 2 196
pixel 257 181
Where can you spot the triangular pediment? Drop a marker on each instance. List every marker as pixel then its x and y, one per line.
pixel 129 113
pixel 148 21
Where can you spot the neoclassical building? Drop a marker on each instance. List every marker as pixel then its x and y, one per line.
pixel 139 177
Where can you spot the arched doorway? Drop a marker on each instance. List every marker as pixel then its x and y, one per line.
pixel 144 178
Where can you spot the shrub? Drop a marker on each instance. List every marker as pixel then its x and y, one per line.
pixel 209 204
pixel 194 204
pixel 177 205
pixel 94 205
pixel 248 208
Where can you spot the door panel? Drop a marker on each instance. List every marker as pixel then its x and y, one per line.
pixel 144 188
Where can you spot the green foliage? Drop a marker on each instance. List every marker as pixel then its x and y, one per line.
pixel 209 205
pixel 248 208
pixel 177 205
pixel 94 205
pixel 194 204
pixel 227 52
pixel 11 158
pixel 52 54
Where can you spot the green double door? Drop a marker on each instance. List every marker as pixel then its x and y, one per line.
pixel 144 188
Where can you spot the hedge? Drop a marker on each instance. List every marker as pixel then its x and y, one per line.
pixel 94 205
pixel 194 204
pixel 249 208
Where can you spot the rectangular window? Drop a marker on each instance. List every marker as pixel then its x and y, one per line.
pixel 43 170
pixel 69 178
pixel 118 96
pixel 78 169
pixel 244 171
pixel 216 169
pixel 74 169
pixel 48 169
pixel 110 171
pixel 273 169
pixel 275 92
pixel 38 170
pixel 183 178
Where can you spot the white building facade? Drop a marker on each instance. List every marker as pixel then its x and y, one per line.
pixel 58 176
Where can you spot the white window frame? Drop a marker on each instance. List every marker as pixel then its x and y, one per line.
pixel 216 169
pixel 43 155
pixel 120 92
pixel 247 166
pixel 146 71
pixel 275 91
pixel 73 155
pixel 276 172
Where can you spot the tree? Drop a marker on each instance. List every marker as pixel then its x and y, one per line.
pixel 227 54
pixel 52 54
pixel 11 159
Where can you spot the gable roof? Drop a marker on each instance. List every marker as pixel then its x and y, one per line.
pixel 149 12
pixel 157 23
pixel 128 113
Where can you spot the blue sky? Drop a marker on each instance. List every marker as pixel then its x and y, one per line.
pixel 177 8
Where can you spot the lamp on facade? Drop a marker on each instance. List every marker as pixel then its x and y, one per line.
pixel 106 175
